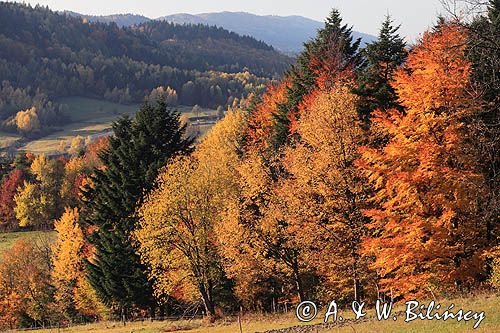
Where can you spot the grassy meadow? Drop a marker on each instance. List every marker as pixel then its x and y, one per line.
pixel 7 239
pixel 253 323
pixel 8 139
pixel 88 117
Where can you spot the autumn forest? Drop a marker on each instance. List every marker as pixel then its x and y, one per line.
pixel 362 173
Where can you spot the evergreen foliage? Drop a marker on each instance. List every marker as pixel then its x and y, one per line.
pixel 484 53
pixel 334 41
pixel 383 56
pixel 138 148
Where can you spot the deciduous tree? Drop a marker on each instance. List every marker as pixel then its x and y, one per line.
pixel 25 288
pixel 27 121
pixel 323 195
pixel 428 230
pixel 10 185
pixel 177 220
pixel 68 273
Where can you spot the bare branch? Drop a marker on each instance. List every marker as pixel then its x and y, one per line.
pixel 464 10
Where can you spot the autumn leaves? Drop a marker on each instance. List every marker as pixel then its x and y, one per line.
pixel 361 175
pixel 427 181
pixel 338 209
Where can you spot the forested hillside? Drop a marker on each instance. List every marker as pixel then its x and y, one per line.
pixel 45 55
pixel 122 20
pixel 286 33
pixel 362 175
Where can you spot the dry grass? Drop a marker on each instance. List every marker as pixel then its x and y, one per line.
pixel 89 117
pixel 7 239
pixel 261 323
pixel 8 139
pixel 490 304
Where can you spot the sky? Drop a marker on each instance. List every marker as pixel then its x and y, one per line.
pixel 415 16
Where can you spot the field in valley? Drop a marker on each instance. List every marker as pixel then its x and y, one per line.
pixel 7 239
pixel 89 117
pixel 8 139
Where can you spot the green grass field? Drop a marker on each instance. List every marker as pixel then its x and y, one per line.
pixel 89 117
pixel 7 239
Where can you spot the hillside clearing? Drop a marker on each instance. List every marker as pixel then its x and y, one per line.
pixel 89 118
pixel 8 139
pixel 7 239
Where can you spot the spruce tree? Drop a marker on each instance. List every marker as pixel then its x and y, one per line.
pixel 136 151
pixel 334 49
pixel 484 53
pixel 383 57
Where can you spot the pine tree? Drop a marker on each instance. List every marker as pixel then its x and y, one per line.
pixel 136 151
pixel 383 56
pixel 325 58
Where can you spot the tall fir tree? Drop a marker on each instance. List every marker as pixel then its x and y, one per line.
pixel 484 53
pixel 137 150
pixel 383 57
pixel 332 52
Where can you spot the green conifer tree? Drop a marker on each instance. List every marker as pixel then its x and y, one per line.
pixel 383 57
pixel 333 45
pixel 484 53
pixel 138 148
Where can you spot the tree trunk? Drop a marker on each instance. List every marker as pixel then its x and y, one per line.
pixel 208 303
pixel 298 282
pixel 162 310
pixel 152 310
pixel 355 278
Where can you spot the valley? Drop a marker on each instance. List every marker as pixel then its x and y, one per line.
pixel 90 119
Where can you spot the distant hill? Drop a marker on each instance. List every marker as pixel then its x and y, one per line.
pixel 285 33
pixel 45 55
pixel 122 20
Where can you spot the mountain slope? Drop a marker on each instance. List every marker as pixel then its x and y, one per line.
pixel 122 20
pixel 46 55
pixel 286 33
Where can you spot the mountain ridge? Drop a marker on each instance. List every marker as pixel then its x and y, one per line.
pixel 286 33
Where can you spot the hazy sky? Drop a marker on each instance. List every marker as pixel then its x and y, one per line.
pixel 365 15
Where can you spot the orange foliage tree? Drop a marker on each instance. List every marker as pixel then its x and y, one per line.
pixel 175 233
pixel 428 233
pixel 25 288
pixel 8 190
pixel 324 193
pixel 261 120
pixel 254 239
pixel 77 171
pixel 72 293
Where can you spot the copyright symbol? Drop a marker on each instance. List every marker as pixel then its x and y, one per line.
pixel 306 311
